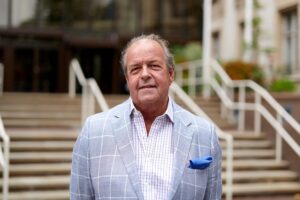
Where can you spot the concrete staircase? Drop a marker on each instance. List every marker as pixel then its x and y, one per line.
pixel 256 173
pixel 43 129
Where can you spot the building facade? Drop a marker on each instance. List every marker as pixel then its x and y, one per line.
pixel 38 38
pixel 274 41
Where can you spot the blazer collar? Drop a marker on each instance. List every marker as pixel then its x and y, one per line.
pixel 182 138
pixel 122 128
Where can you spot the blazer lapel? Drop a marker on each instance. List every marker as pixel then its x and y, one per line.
pixel 183 135
pixel 121 127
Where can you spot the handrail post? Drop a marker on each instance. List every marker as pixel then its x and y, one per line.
pixel 257 117
pixel 179 76
pixel 84 103
pixel 241 124
pixel 231 96
pixel 72 81
pixel 90 102
pixel 1 78
pixel 278 140
pixel 192 80
pixel 223 107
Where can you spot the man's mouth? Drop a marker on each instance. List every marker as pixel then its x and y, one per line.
pixel 147 86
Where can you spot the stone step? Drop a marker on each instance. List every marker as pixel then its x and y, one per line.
pixel 41 146
pixel 258 164
pixel 264 188
pixel 62 115
pixel 42 134
pixel 245 144
pixel 114 100
pixel 39 108
pixel 38 182
pixel 263 176
pixel 246 135
pixel 211 110
pixel 252 153
pixel 39 169
pixel 40 195
pixel 222 123
pixel 19 97
pixel 40 157
pixel 211 99
pixel 41 122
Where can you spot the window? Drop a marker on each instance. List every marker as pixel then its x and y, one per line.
pixel 216 45
pixel 290 41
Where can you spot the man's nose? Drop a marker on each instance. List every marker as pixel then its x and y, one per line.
pixel 145 71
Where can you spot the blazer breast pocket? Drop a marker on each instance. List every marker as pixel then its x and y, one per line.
pixel 197 172
pixel 195 176
pixel 193 184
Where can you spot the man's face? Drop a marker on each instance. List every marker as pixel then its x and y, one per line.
pixel 147 74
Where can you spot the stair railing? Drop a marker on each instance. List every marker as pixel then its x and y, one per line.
pixel 189 102
pixel 1 78
pixel 225 88
pixel 276 121
pixel 4 160
pixel 90 91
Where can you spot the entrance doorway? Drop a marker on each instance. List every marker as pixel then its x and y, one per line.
pixel 35 70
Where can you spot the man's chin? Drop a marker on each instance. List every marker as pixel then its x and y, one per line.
pixel 148 100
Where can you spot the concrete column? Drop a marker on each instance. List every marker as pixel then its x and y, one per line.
pixel 248 30
pixel 206 47
pixel 229 35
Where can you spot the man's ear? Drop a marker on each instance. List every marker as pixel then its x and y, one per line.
pixel 172 74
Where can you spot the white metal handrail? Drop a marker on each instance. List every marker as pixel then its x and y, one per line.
pixel 4 160
pixel 224 87
pixel 188 101
pixel 1 78
pixel 90 90
pixel 241 105
pixel 187 75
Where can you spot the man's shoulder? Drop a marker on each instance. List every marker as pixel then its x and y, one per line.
pixel 111 113
pixel 187 115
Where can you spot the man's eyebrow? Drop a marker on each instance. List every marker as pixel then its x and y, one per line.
pixel 134 65
pixel 154 61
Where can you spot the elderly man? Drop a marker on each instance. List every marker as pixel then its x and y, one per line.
pixel 147 147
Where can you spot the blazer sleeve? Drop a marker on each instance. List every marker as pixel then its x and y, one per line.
pixel 81 182
pixel 214 186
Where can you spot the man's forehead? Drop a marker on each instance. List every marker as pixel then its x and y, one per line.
pixel 145 43
pixel 144 50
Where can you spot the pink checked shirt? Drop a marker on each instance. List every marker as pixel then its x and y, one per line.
pixel 154 154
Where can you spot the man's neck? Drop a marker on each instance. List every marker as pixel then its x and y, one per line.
pixel 151 112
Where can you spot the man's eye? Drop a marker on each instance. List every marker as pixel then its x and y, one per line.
pixel 155 67
pixel 134 70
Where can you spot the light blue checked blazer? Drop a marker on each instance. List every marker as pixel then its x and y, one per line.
pixel 104 165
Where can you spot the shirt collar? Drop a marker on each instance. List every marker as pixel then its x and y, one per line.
pixel 169 112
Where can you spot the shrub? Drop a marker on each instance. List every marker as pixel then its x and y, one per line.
pixel 240 70
pixel 190 51
pixel 283 85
